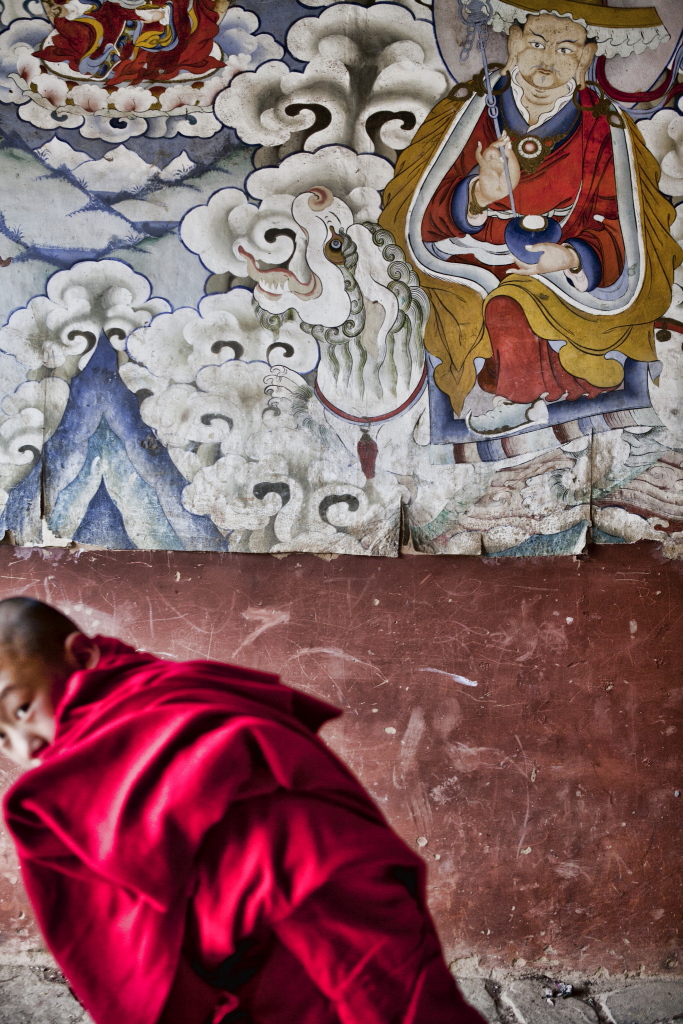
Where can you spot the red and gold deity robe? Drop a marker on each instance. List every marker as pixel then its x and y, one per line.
pixel 576 173
pixel 114 45
pixel 577 179
pixel 194 853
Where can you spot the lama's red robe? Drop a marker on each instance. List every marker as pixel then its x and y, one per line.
pixel 576 175
pixel 194 853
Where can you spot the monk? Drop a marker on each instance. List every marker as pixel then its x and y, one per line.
pixel 561 328
pixel 194 853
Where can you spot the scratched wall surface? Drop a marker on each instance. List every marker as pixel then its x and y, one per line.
pixel 519 715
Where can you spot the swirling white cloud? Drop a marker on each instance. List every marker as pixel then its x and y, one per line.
pixel 218 230
pixel 331 102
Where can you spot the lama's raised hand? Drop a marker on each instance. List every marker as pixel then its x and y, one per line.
pixel 491 186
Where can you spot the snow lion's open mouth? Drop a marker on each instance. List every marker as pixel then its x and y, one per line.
pixel 274 280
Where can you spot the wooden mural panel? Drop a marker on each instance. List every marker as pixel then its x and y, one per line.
pixel 283 277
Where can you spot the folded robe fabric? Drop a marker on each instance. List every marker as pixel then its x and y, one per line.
pixel 150 759
pixel 357 948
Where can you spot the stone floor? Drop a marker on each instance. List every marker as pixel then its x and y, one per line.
pixel 32 991
pixel 615 1000
pixel 36 994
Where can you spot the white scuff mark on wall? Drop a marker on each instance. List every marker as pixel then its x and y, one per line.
pixel 464 758
pixel 336 652
pixel 267 618
pixel 445 791
pixel 451 675
pixel 411 737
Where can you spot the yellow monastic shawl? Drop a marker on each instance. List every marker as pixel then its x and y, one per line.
pixel 456 333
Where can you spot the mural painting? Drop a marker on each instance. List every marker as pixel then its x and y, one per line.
pixel 346 278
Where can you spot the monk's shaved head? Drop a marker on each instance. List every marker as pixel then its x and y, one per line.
pixel 40 648
pixel 29 627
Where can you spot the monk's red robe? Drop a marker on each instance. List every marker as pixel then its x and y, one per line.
pixel 193 853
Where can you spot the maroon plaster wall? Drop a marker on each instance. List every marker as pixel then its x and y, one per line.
pixel 546 792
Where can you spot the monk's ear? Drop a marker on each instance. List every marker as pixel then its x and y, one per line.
pixel 587 56
pixel 515 44
pixel 80 652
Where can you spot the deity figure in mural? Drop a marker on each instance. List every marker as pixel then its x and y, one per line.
pixel 129 41
pixel 532 333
